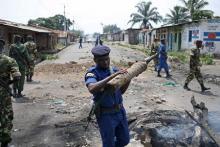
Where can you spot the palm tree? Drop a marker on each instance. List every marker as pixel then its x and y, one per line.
pixel 177 15
pixel 145 16
pixel 195 8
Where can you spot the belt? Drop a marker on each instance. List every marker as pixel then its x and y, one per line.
pixel 115 108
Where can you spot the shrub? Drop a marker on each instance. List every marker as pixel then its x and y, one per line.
pixel 207 59
pixel 181 55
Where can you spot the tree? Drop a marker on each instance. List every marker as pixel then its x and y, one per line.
pixel 195 9
pixel 95 35
pixel 56 22
pixel 177 15
pixel 111 28
pixel 145 15
pixel 78 33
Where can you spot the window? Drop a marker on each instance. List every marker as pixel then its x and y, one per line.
pixel 190 36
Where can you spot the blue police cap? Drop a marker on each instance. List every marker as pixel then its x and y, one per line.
pixel 100 50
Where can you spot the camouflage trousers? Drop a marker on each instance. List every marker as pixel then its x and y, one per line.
pixel 156 62
pixel 30 70
pixel 20 84
pixel 194 72
pixel 6 116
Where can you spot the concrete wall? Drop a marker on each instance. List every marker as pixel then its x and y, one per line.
pixel 208 31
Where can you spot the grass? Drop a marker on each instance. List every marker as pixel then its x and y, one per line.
pixel 44 56
pixel 207 59
pixel 59 46
pixel 135 47
pixel 182 56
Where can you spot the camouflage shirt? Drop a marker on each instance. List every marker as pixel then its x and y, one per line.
pixel 154 48
pixel 20 54
pixel 9 68
pixel 32 49
pixel 195 58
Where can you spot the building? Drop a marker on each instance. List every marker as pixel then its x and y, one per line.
pixel 44 38
pixel 131 36
pixel 118 36
pixel 145 37
pixel 183 36
pixel 64 37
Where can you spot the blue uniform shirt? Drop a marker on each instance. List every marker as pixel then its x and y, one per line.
pixel 96 74
pixel 162 52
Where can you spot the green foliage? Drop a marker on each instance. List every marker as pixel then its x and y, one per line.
pixel 207 59
pixel 182 56
pixel 145 15
pixel 177 15
pixel 135 47
pixel 44 56
pixel 111 28
pixel 56 22
pixel 195 9
pixel 95 34
pixel 59 46
pixel 78 33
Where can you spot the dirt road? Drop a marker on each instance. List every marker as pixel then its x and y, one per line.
pixel 57 102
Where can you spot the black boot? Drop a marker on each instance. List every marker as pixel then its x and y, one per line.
pixel 186 87
pixel 15 94
pixel 203 88
pixel 20 95
pixel 4 144
pixel 27 78
pixel 168 75
pixel 158 74
pixel 30 78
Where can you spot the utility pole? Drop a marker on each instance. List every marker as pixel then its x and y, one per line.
pixel 65 27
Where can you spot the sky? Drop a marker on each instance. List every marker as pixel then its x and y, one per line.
pixel 87 14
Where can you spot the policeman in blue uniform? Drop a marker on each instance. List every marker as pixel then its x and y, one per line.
pixel 111 115
pixel 163 60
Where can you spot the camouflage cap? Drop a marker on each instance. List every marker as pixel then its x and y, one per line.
pixel 100 50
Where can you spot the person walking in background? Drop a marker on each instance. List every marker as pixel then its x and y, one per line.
pixel 163 60
pixel 20 54
pixel 154 50
pixel 80 42
pixel 30 45
pixel 195 67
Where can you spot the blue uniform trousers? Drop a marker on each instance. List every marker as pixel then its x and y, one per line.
pixel 113 128
pixel 163 64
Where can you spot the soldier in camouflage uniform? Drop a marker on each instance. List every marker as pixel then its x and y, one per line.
pixel 20 54
pixel 195 67
pixel 154 50
pixel 32 50
pixel 8 68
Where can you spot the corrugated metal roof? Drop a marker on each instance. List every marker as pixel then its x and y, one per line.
pixel 22 26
